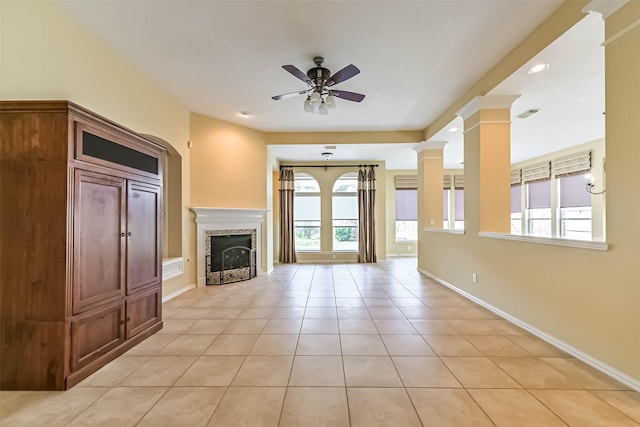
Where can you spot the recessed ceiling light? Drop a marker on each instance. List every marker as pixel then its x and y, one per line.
pixel 453 129
pixel 537 68
pixel 528 113
pixel 244 114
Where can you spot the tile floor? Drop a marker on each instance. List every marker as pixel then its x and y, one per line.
pixel 334 345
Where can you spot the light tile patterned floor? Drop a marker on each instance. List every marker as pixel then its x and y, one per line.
pixel 334 345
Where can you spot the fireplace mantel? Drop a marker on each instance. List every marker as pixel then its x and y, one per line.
pixel 227 219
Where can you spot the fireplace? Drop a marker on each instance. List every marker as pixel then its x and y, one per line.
pixel 230 256
pixel 226 229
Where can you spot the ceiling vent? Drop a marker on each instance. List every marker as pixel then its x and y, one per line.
pixel 528 113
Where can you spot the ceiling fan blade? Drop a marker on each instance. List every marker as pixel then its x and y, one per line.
pixel 297 73
pixel 349 96
pixel 345 74
pixel 290 94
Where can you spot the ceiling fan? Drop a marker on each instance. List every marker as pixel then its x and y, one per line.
pixel 320 93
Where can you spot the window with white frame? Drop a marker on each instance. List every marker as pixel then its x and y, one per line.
pixel 345 212
pixel 306 212
pixel 537 186
pixel 574 207
pixel 516 209
pixel 539 208
pixel 446 200
pixel 458 202
pixel 516 201
pixel 555 197
pixel 406 208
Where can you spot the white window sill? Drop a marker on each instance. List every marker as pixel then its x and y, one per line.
pixel 553 241
pixel 172 267
pixel 443 230
pixel 405 241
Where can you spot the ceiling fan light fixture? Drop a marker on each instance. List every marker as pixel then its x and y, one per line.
pixel 315 98
pixel 322 110
pixel 331 101
pixel 307 105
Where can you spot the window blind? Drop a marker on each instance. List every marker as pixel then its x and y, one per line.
pixel 407 182
pixel 572 165
pixel 539 195
pixel 458 182
pixel 516 196
pixel 459 201
pixel 406 205
pixel 516 177
pixel 573 191
pixel 446 182
pixel 537 172
pixel 445 204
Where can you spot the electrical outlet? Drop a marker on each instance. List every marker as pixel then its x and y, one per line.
pixel 432 221
pixel 474 277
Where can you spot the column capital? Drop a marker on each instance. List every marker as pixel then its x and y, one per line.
pixel 429 145
pixel 487 102
pixel 606 8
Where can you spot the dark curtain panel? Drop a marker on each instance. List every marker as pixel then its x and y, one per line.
pixel 366 215
pixel 287 228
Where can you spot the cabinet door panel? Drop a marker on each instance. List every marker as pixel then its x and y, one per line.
pixel 143 311
pixel 143 235
pixel 96 334
pixel 99 243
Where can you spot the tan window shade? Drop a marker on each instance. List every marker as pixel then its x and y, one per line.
pixel 516 177
pixel 406 182
pixel 572 165
pixel 537 172
pixel 458 181
pixel 446 182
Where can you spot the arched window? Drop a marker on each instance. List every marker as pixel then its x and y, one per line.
pixel 345 212
pixel 306 212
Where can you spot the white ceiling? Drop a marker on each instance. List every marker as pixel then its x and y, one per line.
pixel 416 57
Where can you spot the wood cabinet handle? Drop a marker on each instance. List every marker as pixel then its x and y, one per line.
pixel 122 234
pixel 128 319
pixel 129 233
pixel 122 322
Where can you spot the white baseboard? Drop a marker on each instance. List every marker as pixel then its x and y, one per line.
pixel 578 354
pixel 172 295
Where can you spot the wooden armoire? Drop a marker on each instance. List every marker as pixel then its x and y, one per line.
pixel 80 243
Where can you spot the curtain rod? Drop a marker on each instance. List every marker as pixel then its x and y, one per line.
pixel 327 166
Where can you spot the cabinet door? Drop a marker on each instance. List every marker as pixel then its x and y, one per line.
pixel 98 240
pixel 143 311
pixel 96 333
pixel 143 236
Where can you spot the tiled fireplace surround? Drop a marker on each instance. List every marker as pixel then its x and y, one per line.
pixel 209 220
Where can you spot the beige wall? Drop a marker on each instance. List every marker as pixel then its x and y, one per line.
pixel 48 55
pixel 331 138
pixel 229 170
pixel 393 247
pixel 228 165
pixel 585 298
